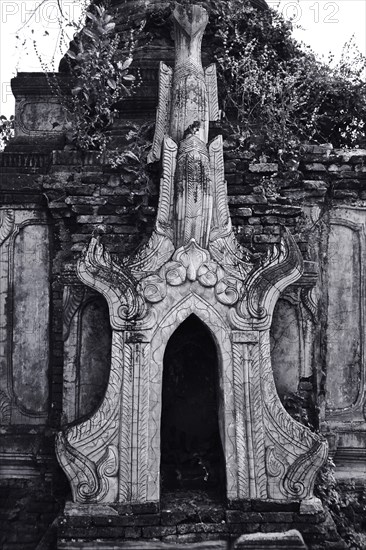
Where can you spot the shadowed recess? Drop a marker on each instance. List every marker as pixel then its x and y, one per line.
pixel 191 451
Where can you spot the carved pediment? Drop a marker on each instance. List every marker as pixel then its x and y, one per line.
pixel 192 264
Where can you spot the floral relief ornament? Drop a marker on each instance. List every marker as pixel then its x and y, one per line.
pixel 191 263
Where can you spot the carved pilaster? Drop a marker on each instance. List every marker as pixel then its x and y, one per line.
pixel 249 422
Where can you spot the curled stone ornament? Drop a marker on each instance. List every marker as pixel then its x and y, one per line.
pixel 154 288
pixel 175 273
pixel 206 274
pixel 227 291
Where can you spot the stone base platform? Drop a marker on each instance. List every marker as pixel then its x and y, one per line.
pixel 190 522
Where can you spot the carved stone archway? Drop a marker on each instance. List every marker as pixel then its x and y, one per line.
pixel 192 304
pixel 192 264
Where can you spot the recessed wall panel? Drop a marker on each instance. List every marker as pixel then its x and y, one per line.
pixel 343 334
pixel 30 317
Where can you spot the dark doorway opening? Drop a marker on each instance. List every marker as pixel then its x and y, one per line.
pixel 191 450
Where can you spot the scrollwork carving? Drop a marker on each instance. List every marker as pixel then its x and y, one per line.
pixel 211 85
pixel 299 478
pixel 97 269
pixel 221 221
pixel 163 111
pixel 274 465
pixel 80 470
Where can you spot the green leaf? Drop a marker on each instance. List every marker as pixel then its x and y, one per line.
pixel 126 64
pixel 90 33
pixel 129 77
pixel 112 83
pixel 71 54
pixel 109 27
pixel 131 155
pixel 100 10
pixel 91 17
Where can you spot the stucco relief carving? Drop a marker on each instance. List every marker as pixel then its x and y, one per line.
pixel 191 265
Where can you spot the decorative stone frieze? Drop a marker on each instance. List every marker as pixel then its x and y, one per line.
pixel 192 265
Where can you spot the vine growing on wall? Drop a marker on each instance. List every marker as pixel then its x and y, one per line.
pixel 99 65
pixel 98 62
pixel 277 94
pixel 346 504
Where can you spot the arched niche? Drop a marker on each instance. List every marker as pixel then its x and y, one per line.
pixel 87 352
pixel 191 448
pixel 221 336
pixel 94 355
pixel 286 348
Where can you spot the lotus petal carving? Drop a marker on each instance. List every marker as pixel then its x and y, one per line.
pixel 191 257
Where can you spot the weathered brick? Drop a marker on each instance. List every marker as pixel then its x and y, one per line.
pixel 314 184
pixel 265 239
pixel 342 168
pixel 169 517
pixel 133 532
pixel 230 167
pixel 345 194
pixel 243 212
pixel 159 531
pixel 275 505
pixel 90 219
pixel 247 199
pixel 202 528
pixel 254 220
pixel 278 517
pixel 264 167
pixel 316 167
pixel 239 516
